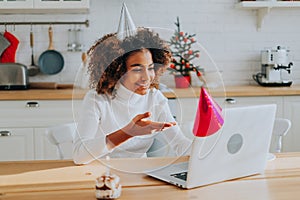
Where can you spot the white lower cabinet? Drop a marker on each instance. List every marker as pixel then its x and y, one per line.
pixel 23 127
pixel 16 144
pixel 252 101
pixel 23 123
pixel 44 150
pixel 187 107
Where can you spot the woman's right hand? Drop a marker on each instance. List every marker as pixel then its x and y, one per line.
pixel 140 125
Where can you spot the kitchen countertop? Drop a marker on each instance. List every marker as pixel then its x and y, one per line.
pixel 230 91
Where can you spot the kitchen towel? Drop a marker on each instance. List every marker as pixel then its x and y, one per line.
pixel 9 54
pixel 4 43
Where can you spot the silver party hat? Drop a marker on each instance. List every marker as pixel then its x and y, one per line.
pixel 126 26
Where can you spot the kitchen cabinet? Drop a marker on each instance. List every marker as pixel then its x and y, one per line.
pixel 264 7
pixel 16 4
pixel 251 101
pixel 287 107
pixel 44 150
pixel 23 125
pixel 41 113
pixel 44 6
pixel 30 118
pixel 16 144
pixel 187 107
pixel 61 4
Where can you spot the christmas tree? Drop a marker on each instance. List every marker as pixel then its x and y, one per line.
pixel 181 46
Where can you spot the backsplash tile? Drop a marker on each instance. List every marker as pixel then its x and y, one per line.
pixel 228 34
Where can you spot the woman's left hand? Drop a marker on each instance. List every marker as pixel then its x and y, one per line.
pixel 140 125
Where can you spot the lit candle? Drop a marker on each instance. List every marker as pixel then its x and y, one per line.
pixel 107 172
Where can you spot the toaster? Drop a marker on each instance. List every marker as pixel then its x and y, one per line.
pixel 13 76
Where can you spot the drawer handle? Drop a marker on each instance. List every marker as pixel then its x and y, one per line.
pixel 32 104
pixel 5 133
pixel 230 100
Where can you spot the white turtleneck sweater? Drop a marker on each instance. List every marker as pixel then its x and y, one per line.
pixel 102 115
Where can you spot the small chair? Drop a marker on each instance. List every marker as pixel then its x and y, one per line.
pixel 62 137
pixel 160 148
pixel 281 128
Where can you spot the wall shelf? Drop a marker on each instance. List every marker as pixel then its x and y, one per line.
pixel 264 7
pixel 86 23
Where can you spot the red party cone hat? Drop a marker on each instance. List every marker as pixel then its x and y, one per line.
pixel 209 117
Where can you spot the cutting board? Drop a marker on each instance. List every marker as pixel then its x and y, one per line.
pixel 50 85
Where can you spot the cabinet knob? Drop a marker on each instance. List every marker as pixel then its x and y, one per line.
pixel 32 104
pixel 230 100
pixel 4 133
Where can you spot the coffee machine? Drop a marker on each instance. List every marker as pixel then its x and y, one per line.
pixel 275 68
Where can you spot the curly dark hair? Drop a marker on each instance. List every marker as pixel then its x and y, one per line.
pixel 108 56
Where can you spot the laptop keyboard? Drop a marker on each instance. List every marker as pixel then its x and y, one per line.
pixel 181 175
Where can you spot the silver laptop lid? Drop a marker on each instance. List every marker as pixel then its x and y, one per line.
pixel 238 149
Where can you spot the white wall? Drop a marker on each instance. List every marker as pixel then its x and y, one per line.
pixel 228 34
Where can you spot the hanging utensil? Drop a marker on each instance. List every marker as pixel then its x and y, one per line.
pixel 75 39
pixel 78 40
pixel 71 39
pixel 51 61
pixel 82 77
pixel 33 69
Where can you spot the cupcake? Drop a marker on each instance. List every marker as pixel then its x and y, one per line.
pixel 108 186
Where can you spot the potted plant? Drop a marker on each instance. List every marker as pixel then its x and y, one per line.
pixel 183 54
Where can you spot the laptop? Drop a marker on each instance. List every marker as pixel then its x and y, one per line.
pixel 240 148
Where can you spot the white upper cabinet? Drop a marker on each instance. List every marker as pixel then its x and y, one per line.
pixel 44 6
pixel 16 4
pixel 69 4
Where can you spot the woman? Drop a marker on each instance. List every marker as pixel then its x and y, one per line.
pixel 119 117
